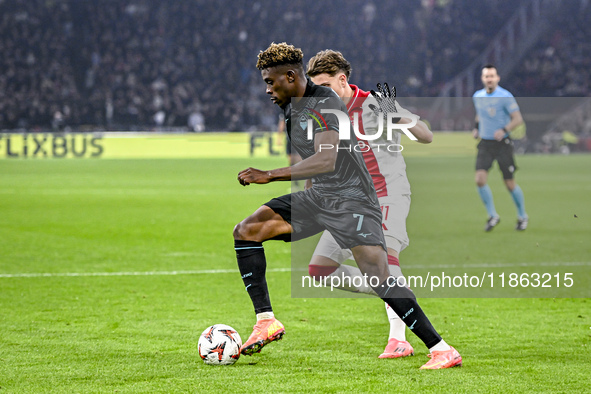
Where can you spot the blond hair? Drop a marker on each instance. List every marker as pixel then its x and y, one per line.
pixel 280 54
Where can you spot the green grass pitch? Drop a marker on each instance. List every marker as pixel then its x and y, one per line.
pixel 126 245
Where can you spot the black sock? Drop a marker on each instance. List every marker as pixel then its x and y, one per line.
pixel 403 301
pixel 252 265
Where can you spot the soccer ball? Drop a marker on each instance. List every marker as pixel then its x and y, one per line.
pixel 219 345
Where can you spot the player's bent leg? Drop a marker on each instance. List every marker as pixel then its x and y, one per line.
pixel 393 262
pixel 326 266
pixel 404 303
pixel 481 177
pixel 395 210
pixel 328 248
pixel 373 262
pixel 397 345
pixel 510 184
pixel 370 257
pixel 262 225
pixel 321 267
pixel 346 277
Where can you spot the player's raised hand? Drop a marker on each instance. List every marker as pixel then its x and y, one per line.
pixel 386 99
pixel 252 175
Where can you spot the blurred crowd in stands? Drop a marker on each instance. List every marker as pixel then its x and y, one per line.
pixel 190 64
pixel 559 65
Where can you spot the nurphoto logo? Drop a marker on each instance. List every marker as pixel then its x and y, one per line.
pixel 345 130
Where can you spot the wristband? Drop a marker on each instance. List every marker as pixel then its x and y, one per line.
pixel 505 130
pixel 476 125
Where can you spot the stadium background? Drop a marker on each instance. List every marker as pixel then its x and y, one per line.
pixel 138 65
pixel 110 269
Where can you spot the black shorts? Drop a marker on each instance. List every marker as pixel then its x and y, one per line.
pixel 501 151
pixel 351 222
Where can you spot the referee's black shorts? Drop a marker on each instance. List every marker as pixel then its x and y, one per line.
pixel 351 222
pixel 501 151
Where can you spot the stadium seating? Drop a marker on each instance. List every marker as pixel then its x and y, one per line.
pixel 144 65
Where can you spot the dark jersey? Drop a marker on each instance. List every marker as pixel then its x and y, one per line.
pixel 351 178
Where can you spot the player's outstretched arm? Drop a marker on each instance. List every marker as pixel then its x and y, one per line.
pixel 321 162
pixel 420 130
pixel 386 100
pixel 253 175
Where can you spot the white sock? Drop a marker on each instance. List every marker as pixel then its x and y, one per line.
pixel 265 315
pixel 397 326
pixel 440 347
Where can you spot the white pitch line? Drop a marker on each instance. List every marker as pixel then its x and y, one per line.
pixel 287 269
pixel 503 265
pixel 139 273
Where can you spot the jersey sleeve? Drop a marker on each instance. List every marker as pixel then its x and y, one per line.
pixel 510 104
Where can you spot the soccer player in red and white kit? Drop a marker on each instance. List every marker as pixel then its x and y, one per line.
pixel 388 170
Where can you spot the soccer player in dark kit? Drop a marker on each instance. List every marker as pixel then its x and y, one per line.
pixel 342 200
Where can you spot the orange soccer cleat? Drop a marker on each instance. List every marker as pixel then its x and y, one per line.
pixel 264 332
pixel 396 348
pixel 444 359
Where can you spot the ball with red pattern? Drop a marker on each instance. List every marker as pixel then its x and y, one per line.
pixel 219 345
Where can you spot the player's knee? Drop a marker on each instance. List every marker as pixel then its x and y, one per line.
pixel 509 182
pixel 480 180
pixel 248 231
pixel 242 232
pixel 320 271
pixel 236 232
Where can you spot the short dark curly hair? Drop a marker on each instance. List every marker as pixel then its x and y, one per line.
pixel 280 54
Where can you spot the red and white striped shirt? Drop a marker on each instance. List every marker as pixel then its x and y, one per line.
pixel 384 160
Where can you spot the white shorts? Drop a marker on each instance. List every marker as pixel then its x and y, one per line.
pixel 394 213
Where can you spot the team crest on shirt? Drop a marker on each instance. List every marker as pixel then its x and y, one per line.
pixel 308 117
pixel 303 120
